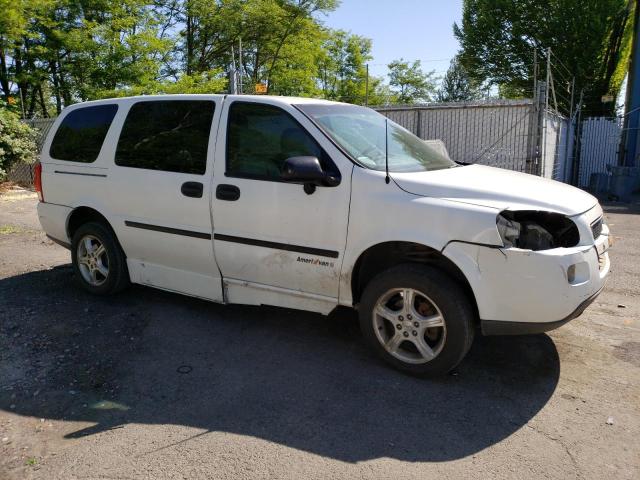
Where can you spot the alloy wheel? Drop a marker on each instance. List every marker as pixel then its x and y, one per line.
pixel 93 261
pixel 409 325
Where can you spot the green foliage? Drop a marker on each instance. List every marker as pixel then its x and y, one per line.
pixel 590 37
pixel 280 40
pixel 68 51
pixel 54 53
pixel 342 66
pixel 380 93
pixel 457 86
pixel 211 81
pixel 294 72
pixel 409 83
pixel 57 52
pixel 17 141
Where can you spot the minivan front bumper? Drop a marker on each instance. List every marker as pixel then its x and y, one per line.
pixel 522 291
pixel 498 327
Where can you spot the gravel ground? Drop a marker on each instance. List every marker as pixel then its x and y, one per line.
pixel 149 384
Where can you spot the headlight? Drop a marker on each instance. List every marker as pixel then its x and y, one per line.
pixel 533 230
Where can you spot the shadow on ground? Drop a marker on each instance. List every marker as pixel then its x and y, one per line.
pixel 611 206
pixel 285 376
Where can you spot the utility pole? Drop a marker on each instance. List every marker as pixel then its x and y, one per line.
pixel 629 144
pixel 366 88
pixel 240 63
pixel 233 80
pixel 22 102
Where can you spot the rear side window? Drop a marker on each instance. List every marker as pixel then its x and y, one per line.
pixel 80 135
pixel 172 136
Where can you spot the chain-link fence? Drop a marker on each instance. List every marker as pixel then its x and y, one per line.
pixel 520 135
pixel 492 133
pixel 42 125
pixel 22 173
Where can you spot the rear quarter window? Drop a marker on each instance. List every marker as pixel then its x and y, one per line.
pixel 80 135
pixel 167 135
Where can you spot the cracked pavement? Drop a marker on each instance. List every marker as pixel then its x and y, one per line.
pixel 150 384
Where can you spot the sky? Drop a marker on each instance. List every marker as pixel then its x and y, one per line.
pixel 411 29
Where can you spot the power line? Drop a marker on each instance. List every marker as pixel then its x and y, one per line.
pixel 431 60
pixel 560 62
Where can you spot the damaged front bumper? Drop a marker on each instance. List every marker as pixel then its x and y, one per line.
pixel 498 327
pixel 522 291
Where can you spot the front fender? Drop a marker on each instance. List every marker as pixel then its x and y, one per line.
pixel 382 212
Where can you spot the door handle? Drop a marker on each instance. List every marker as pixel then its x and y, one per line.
pixel 230 193
pixel 192 189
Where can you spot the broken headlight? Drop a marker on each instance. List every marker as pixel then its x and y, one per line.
pixel 534 230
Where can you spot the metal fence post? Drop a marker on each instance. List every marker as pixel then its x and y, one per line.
pixel 532 135
pixel 540 126
pixel 578 142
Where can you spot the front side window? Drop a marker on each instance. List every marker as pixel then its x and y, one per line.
pixel 362 133
pixel 80 135
pixel 261 137
pixel 170 135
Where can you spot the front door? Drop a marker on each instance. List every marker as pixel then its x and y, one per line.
pixel 270 236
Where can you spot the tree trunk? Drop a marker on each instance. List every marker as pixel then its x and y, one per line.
pixel 4 74
pixel 23 87
pixel 189 59
pixel 43 105
pixel 56 85
pixel 32 103
pixel 64 90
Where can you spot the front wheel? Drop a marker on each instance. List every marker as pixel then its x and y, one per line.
pixel 417 319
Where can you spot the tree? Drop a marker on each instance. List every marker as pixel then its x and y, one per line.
pixel 54 53
pixel 17 141
pixel 457 86
pixel 71 50
pixel 278 38
pixel 409 83
pixel 591 38
pixel 342 69
pixel 18 50
pixel 205 82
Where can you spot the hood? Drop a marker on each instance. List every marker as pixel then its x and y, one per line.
pixel 497 188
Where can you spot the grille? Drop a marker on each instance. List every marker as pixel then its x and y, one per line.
pixel 596 228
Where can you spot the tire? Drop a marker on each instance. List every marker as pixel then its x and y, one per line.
pixel 101 272
pixel 441 316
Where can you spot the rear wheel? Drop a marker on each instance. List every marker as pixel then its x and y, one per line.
pixel 98 261
pixel 417 319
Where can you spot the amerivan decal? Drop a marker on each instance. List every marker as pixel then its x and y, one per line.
pixel 315 261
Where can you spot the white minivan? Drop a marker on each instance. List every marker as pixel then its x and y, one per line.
pixel 310 204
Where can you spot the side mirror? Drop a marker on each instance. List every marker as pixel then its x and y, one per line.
pixel 307 170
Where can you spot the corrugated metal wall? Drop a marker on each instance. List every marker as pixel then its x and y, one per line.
pixel 556 147
pixel 500 133
pixel 493 133
pixel 599 144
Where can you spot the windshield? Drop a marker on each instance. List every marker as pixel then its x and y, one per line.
pixel 361 132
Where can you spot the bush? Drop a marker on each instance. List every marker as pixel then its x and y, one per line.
pixel 17 142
